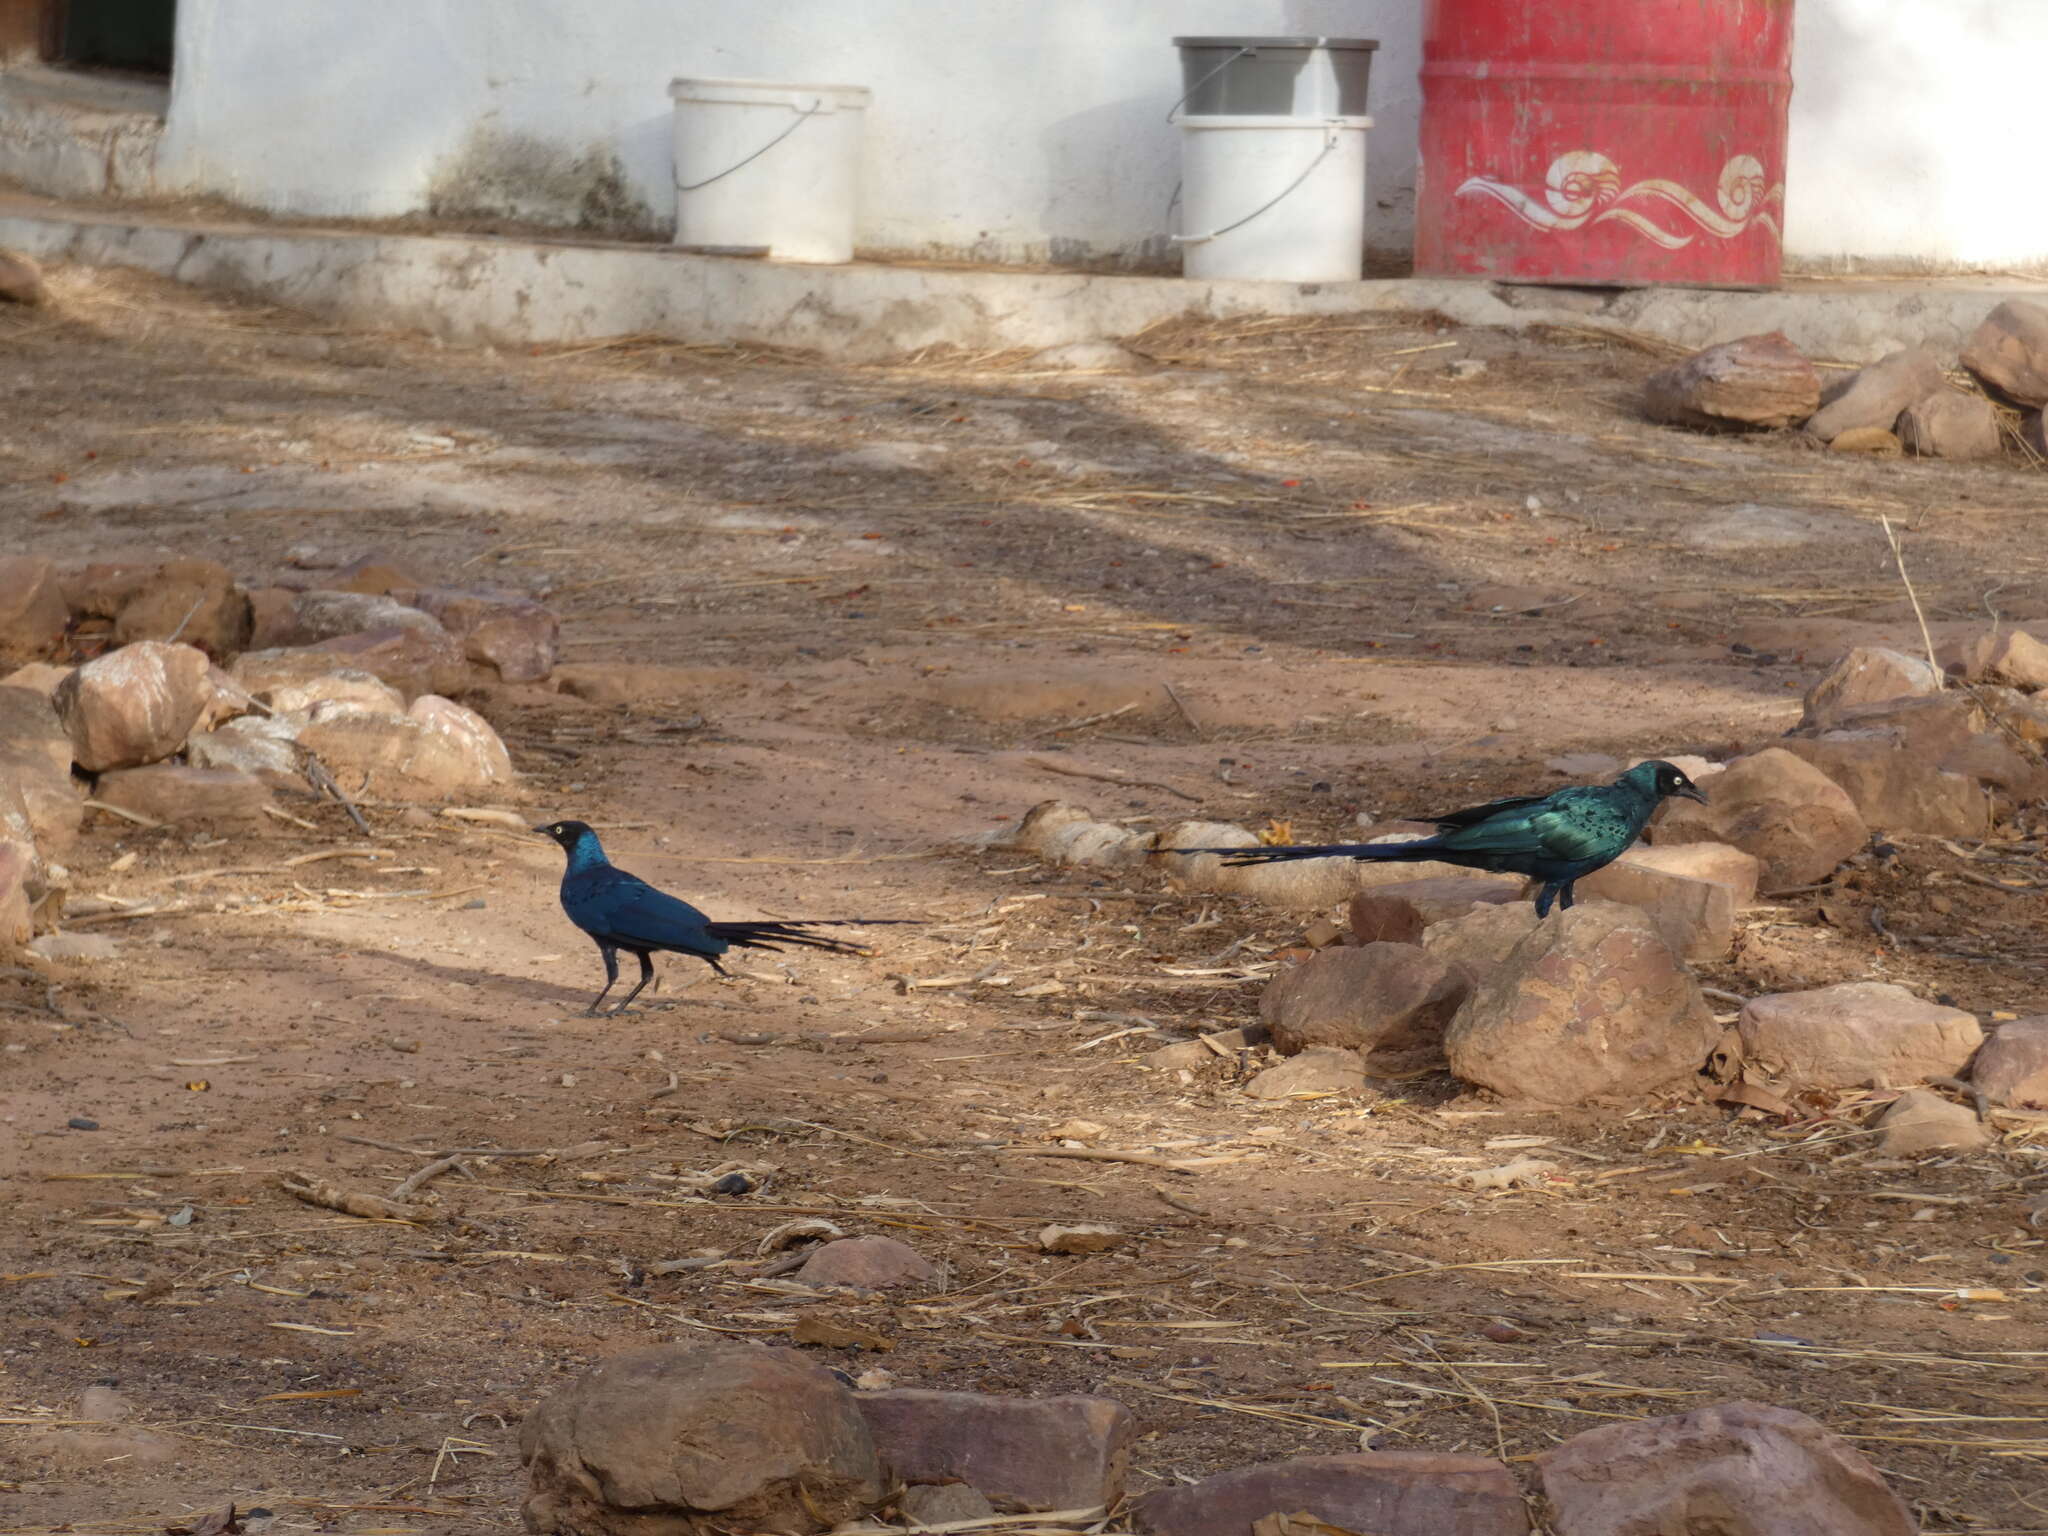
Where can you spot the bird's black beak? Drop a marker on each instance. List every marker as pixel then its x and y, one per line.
pixel 542 832
pixel 1694 792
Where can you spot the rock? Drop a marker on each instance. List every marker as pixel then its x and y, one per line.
pixel 2008 352
pixel 1758 381
pixel 298 677
pixel 347 685
pixel 226 700
pixel 414 661
pixel 1695 917
pixel 1735 1469
pixel 37 677
pixel 2011 1067
pixel 39 803
pixel 271 617
pixel 1398 912
pixel 1476 944
pixel 435 750
pixel 465 735
pixel 2009 656
pixel 1954 731
pixel 134 705
pixel 1314 1073
pixel 324 615
pixel 1022 1453
pixel 175 792
pixel 930 1504
pixel 33 613
pixel 1412 1493
pixel 84 948
pixel 1797 822
pixel 192 601
pixel 17 873
pixel 31 727
pixel 1878 442
pixel 1873 396
pixel 1388 1002
pixel 376 574
pixel 1301 885
pixel 21 280
pixel 1087 1237
pixel 1867 675
pixel 698 1437
pixel 1896 789
pixel 1855 1035
pixel 1920 1120
pixel 1718 862
pixel 1592 1002
pixel 1060 833
pixel 263 745
pixel 515 635
pixel 155 599
pixel 1197 1053
pixel 867 1264
pixel 1949 424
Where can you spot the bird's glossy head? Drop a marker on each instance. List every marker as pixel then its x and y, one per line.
pixel 570 834
pixel 1661 780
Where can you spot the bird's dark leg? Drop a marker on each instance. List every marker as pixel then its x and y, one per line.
pixel 1544 897
pixel 611 977
pixel 1564 899
pixel 646 975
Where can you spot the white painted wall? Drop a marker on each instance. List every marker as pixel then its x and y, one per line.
pixel 1907 118
pixel 1012 130
pixel 1008 130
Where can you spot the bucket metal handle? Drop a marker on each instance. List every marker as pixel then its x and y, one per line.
pixel 1330 137
pixel 1241 53
pixel 809 112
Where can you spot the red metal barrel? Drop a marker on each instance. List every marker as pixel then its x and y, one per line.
pixel 1604 141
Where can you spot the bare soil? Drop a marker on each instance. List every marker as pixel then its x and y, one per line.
pixel 885 595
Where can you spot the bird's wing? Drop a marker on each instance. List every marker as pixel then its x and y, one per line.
pixel 1546 830
pixel 624 909
pixel 1478 813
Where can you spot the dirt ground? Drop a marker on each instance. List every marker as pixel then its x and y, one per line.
pixel 888 598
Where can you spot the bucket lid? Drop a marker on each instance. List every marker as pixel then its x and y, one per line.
pixel 769 93
pixel 1277 42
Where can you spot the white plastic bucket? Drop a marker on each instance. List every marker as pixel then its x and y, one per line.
pixel 1281 198
pixel 765 168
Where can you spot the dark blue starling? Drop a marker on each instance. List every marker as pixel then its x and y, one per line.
pixel 1555 838
pixel 622 911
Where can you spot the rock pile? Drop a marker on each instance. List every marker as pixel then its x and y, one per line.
pixel 194 700
pixel 1902 403
pixel 1440 967
pixel 705 1437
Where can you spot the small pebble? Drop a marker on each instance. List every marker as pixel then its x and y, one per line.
pixel 80 1123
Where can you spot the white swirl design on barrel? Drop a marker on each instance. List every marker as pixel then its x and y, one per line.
pixel 1583 188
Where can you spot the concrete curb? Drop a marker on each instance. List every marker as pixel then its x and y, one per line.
pixel 513 292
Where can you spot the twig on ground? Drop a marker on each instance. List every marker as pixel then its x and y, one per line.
pixel 351 1202
pixel 1899 560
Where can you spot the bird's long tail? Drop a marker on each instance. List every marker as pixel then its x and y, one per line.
pixel 1423 848
pixel 775 936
